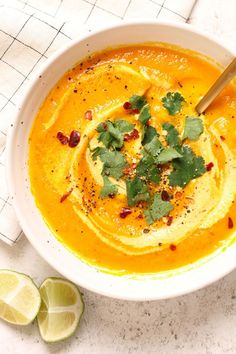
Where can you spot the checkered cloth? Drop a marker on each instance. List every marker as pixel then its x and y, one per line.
pixel 31 30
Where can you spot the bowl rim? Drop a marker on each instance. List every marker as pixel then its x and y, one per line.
pixel 10 175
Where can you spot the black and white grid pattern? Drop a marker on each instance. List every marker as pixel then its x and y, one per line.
pixel 31 30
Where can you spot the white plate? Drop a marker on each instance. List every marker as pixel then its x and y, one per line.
pixel 124 287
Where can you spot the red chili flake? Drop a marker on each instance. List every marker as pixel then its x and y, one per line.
pixel 132 136
pixel 62 138
pixel 127 105
pixel 66 195
pixel 88 115
pixel 178 195
pixel 165 196
pixel 135 111
pixel 130 169
pixel 173 247
pixel 125 212
pixel 127 170
pixel 169 220
pixel 209 166
pixel 230 223
pixel 222 137
pixel 140 216
pixel 74 138
pixel 111 195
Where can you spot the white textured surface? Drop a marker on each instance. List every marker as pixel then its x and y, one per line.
pixel 199 323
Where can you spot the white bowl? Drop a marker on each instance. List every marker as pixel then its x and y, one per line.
pixel 125 287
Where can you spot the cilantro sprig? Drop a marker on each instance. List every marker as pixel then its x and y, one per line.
pixel 148 169
pixel 137 191
pixel 168 154
pixel 145 114
pixel 108 188
pixel 114 162
pixel 186 168
pixel 193 128
pixel 111 134
pixel 157 209
pixel 173 102
pixel 172 137
pixel 137 102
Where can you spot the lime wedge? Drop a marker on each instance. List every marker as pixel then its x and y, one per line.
pixel 19 298
pixel 61 309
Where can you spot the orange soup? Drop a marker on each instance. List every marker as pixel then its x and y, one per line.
pixel 122 168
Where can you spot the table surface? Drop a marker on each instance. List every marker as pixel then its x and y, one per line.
pixel 201 322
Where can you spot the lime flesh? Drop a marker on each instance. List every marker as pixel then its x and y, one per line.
pixel 19 298
pixel 61 309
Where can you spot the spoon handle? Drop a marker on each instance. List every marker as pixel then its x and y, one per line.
pixel 227 75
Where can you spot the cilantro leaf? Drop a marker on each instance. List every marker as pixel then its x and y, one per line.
pixel 98 151
pixel 113 163
pixel 153 148
pixel 148 134
pixel 193 128
pixel 168 154
pixel 111 134
pixel 102 127
pixel 136 190
pixel 108 188
pixel 147 168
pixel 157 209
pixel 172 137
pixel 145 114
pixel 123 125
pixel 173 102
pixel 186 168
pixel 137 102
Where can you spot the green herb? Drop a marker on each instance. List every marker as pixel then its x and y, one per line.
pixel 123 125
pixel 114 163
pixel 147 166
pixel 172 137
pixel 145 114
pixel 148 134
pixel 193 128
pixel 153 148
pixel 137 191
pixel 186 168
pixel 173 102
pixel 108 188
pixel 111 134
pixel 98 151
pixel 167 155
pixel 157 209
pixel 137 102
pixel 148 169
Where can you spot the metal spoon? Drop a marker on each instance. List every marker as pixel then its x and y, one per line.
pixel 228 74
